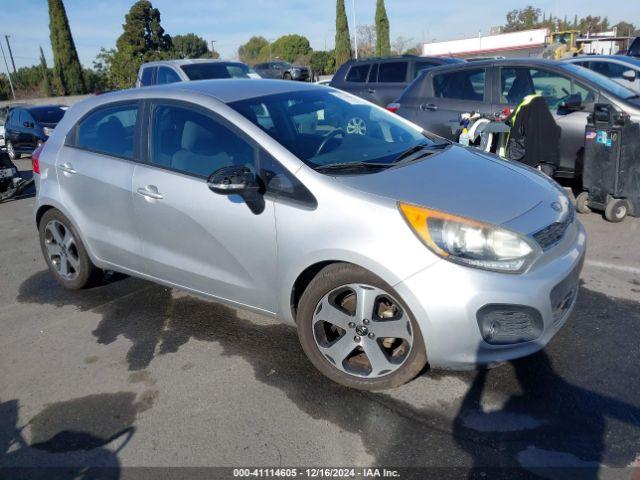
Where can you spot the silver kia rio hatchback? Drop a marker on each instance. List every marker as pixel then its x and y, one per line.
pixel 388 248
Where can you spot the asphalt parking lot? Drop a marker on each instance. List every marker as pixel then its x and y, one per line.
pixel 132 374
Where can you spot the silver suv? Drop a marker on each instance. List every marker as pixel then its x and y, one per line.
pixel 385 246
pixel 162 72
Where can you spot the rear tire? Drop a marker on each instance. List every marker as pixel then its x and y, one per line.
pixel 375 352
pixel 582 203
pixel 616 210
pixel 65 253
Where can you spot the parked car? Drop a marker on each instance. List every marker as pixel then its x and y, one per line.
pixel 26 127
pixel 634 48
pixel 619 68
pixel 441 94
pixel 185 70
pixel 382 80
pixel 383 245
pixel 284 71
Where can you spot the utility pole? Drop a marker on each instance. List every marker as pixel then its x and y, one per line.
pixel 6 37
pixel 355 29
pixel 13 92
pixel 213 49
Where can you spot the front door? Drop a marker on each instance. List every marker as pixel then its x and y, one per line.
pixel 95 169
pixel 194 238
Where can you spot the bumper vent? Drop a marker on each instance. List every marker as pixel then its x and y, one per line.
pixel 550 236
pixel 508 324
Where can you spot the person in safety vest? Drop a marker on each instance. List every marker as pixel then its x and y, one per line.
pixel 535 137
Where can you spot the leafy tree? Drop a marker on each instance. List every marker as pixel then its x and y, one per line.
pixel 250 51
pixel 190 45
pixel 287 47
pixel 383 44
pixel 525 19
pixel 322 62
pixel 143 39
pixel 343 39
pixel 625 28
pixel 45 83
pixel 67 71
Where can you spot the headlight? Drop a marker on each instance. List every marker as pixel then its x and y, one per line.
pixel 469 242
pixel 47 131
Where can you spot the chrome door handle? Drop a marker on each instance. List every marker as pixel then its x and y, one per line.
pixel 372 90
pixel 150 192
pixel 429 106
pixel 67 168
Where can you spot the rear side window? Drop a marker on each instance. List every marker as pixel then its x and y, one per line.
pixel 188 141
pixel 146 78
pixel 358 73
pixel 373 75
pixel 109 130
pixel 392 72
pixel 166 75
pixel 461 85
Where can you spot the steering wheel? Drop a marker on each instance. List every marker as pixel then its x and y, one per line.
pixel 328 136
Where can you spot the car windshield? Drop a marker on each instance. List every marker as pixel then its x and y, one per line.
pixel 328 127
pixel 47 114
pixel 206 71
pixel 601 81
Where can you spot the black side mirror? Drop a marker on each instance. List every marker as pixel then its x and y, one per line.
pixel 238 180
pixel 572 103
pixel 629 75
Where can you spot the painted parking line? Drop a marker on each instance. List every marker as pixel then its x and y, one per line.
pixel 613 266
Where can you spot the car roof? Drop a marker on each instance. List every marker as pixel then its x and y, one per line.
pixel 26 106
pixel 186 61
pixel 525 61
pixel 620 58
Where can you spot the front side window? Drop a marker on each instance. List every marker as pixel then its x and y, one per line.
pixel 460 85
pixel 146 78
pixel 195 143
pixel 331 127
pixel 392 72
pixel 609 69
pixel 109 130
pixel 166 75
pixel 358 73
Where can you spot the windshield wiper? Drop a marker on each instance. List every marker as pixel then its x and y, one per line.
pixel 409 154
pixel 351 166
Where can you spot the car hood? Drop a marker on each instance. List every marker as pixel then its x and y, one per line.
pixel 463 182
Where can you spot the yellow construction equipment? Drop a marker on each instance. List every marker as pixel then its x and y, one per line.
pixel 562 44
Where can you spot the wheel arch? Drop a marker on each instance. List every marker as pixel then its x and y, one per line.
pixel 302 282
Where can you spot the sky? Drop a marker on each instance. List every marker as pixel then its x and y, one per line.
pixel 98 23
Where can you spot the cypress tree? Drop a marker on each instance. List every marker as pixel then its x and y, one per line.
pixel 67 71
pixel 383 44
pixel 45 84
pixel 343 39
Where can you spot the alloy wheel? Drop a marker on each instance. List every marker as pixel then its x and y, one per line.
pixel 62 250
pixel 362 331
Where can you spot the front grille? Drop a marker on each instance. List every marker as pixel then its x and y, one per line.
pixel 550 236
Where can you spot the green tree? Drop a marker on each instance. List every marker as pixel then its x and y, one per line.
pixel 143 39
pixel 322 62
pixel 190 45
pixel 383 43
pixel 626 29
pixel 45 83
pixel 525 19
pixel 343 39
pixel 287 47
pixel 67 71
pixel 250 51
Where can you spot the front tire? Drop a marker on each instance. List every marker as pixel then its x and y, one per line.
pixel 287 76
pixel 357 331
pixel 11 151
pixel 65 253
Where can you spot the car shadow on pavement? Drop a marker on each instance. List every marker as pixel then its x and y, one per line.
pixel 561 407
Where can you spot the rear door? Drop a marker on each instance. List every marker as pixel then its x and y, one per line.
pixel 355 81
pixel 95 168
pixel 450 93
pixel 192 237
pixel 392 79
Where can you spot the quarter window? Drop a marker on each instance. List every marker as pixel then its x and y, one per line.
pixel 109 130
pixel 188 141
pixel 392 72
pixel 461 85
pixel 358 73
pixel 166 75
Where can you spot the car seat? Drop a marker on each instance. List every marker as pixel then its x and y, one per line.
pixel 200 151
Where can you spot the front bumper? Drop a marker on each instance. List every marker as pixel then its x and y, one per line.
pixel 446 297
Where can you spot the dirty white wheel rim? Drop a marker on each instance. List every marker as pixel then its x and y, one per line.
pixel 352 335
pixel 62 250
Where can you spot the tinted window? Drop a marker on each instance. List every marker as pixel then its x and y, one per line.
pixel 462 85
pixel 280 182
pixel 609 69
pixel 204 71
pixel 109 130
pixel 634 49
pixel 166 75
pixel 358 73
pixel 420 66
pixel 47 114
pixel 373 75
pixel 192 142
pixel 601 81
pixel 147 76
pixel 392 72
